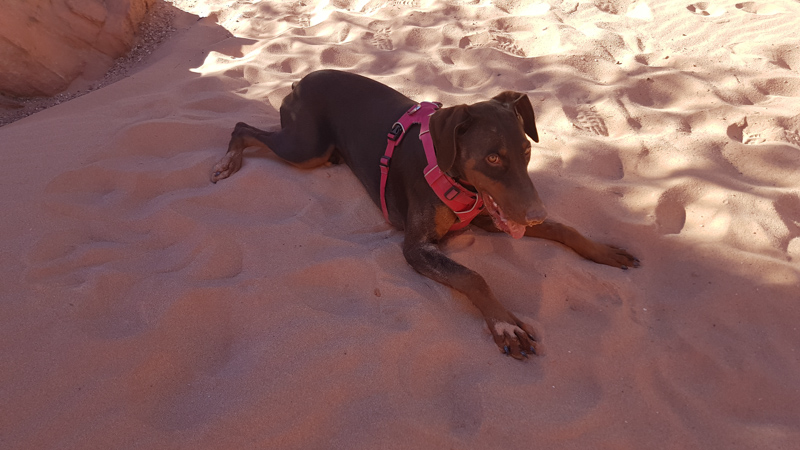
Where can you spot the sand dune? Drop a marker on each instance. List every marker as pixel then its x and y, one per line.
pixel 144 307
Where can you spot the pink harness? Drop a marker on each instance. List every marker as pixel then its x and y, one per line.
pixel 465 203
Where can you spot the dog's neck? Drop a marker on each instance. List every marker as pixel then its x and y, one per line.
pixel 459 178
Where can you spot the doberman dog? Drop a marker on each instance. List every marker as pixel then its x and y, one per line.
pixel 331 116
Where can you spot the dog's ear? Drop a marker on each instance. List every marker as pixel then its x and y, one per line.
pixel 522 105
pixel 446 125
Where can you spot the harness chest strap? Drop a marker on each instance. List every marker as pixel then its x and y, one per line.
pixel 463 202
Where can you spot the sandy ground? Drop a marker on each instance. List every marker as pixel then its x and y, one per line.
pixel 144 307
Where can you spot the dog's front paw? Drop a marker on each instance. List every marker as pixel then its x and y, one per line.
pixel 514 337
pixel 613 256
pixel 227 166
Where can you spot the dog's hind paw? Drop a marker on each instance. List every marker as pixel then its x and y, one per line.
pixel 227 166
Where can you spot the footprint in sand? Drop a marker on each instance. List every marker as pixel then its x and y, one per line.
pixel 589 119
pixel 569 7
pixel 671 211
pixel 612 6
pixel 736 130
pixel 303 20
pixel 753 139
pixel 492 39
pixel 372 6
pixel 742 132
pixel 380 38
pixel 763 9
pixel 297 16
pixel 705 9
pixel 342 32
pixel 775 129
pixel 347 5
pixel 507 44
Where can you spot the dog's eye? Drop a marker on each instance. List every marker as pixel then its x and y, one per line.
pixel 493 159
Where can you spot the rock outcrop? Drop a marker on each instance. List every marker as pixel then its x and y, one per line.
pixel 45 45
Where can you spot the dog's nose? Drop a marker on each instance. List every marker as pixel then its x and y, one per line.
pixel 535 216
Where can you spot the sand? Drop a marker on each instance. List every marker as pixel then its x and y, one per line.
pixel 144 307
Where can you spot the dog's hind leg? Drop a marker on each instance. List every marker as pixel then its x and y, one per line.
pixel 302 149
pixel 243 136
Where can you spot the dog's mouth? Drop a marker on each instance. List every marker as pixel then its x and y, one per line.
pixel 515 229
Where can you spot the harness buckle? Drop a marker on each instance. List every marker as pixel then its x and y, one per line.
pixel 396 132
pixel 386 161
pixel 452 193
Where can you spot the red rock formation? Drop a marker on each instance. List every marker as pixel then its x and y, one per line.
pixel 45 45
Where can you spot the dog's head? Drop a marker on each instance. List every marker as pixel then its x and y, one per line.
pixel 484 144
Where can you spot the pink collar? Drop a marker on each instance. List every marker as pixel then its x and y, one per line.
pixel 465 203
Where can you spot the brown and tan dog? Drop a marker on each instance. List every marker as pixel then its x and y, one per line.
pixel 333 116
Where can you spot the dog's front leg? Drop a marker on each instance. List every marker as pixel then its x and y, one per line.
pixel 511 335
pixel 589 249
